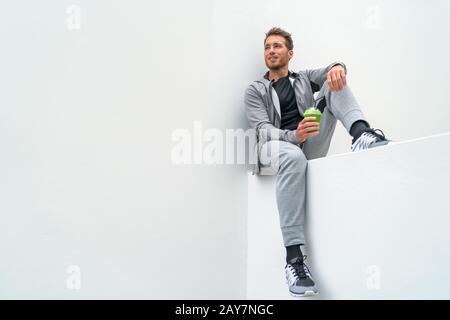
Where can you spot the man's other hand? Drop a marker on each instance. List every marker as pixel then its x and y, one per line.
pixel 336 78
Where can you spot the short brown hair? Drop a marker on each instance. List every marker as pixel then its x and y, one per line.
pixel 280 32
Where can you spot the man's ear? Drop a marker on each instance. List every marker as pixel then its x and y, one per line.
pixel 291 54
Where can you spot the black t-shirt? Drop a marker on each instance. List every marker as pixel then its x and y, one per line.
pixel 290 116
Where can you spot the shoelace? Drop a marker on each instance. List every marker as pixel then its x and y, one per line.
pixel 367 138
pixel 299 269
pixel 379 135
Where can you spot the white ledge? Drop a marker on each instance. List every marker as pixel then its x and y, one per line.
pixel 378 225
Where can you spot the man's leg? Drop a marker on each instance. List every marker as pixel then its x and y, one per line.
pixel 290 164
pixel 336 105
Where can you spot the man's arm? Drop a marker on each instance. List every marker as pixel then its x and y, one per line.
pixel 258 119
pixel 319 76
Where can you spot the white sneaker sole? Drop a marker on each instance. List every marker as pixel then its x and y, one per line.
pixel 306 294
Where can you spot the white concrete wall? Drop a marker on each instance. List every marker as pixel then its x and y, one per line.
pixel 93 90
pixel 86 173
pixel 377 225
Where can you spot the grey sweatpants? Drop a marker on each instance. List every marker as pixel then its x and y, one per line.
pixel 291 162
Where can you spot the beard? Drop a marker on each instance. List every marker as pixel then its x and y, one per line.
pixel 277 65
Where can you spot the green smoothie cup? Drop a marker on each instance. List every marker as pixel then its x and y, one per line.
pixel 313 112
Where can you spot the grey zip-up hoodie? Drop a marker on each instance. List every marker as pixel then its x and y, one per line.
pixel 263 108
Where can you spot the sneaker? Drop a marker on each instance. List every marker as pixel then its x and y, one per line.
pixel 299 278
pixel 370 139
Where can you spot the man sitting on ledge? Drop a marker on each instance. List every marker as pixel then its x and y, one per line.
pixel 275 105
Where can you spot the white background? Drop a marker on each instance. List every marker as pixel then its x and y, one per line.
pixel 86 117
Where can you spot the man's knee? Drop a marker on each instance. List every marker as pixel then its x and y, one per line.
pixel 293 160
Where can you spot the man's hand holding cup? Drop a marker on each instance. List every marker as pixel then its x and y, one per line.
pixel 309 126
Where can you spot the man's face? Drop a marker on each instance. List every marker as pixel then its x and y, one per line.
pixel 276 54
